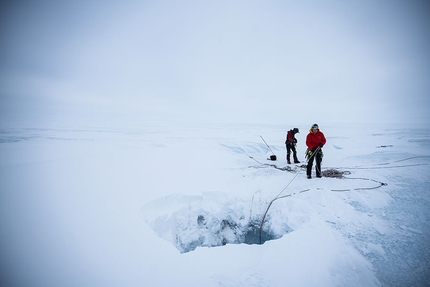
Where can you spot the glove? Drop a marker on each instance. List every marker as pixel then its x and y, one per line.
pixel 321 145
pixel 295 140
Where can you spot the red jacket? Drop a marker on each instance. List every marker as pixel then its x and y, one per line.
pixel 314 140
pixel 290 137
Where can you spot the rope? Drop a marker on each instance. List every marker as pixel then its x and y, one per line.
pixel 327 173
pixel 412 158
pixel 362 188
pixel 267 145
pixel 330 173
pixel 270 204
pixel 388 163
pixel 286 168
pixel 278 196
pixel 383 167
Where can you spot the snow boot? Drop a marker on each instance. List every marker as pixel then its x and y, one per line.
pixel 288 159
pixel 296 160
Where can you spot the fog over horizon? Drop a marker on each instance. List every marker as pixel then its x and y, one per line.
pixel 215 61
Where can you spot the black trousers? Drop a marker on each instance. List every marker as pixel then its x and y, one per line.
pixel 291 147
pixel 318 159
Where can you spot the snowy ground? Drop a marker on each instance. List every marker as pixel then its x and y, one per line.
pixel 171 205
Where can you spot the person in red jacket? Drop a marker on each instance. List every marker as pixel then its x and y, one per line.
pixel 290 143
pixel 315 140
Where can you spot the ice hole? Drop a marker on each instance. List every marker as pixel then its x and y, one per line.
pixel 211 232
pixel 190 222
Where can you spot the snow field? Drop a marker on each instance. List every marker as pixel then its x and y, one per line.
pixel 141 206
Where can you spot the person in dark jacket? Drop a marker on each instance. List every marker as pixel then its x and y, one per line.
pixel 290 142
pixel 315 141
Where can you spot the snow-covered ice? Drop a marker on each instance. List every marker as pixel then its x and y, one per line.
pixel 182 205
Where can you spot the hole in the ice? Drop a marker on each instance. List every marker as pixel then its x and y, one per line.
pixel 211 232
pixel 255 236
pixel 212 220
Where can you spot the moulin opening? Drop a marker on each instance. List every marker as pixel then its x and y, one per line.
pixel 213 232
pixel 212 220
pixel 257 235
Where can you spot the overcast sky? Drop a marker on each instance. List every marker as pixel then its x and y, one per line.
pixel 246 61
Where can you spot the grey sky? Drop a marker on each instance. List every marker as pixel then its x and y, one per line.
pixel 258 61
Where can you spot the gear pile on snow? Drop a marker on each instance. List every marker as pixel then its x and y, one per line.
pixel 334 173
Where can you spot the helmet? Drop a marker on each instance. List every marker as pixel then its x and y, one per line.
pixel 315 126
pixel 295 130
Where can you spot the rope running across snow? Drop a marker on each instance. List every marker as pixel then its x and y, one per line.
pixel 286 168
pixel 279 197
pixel 330 173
